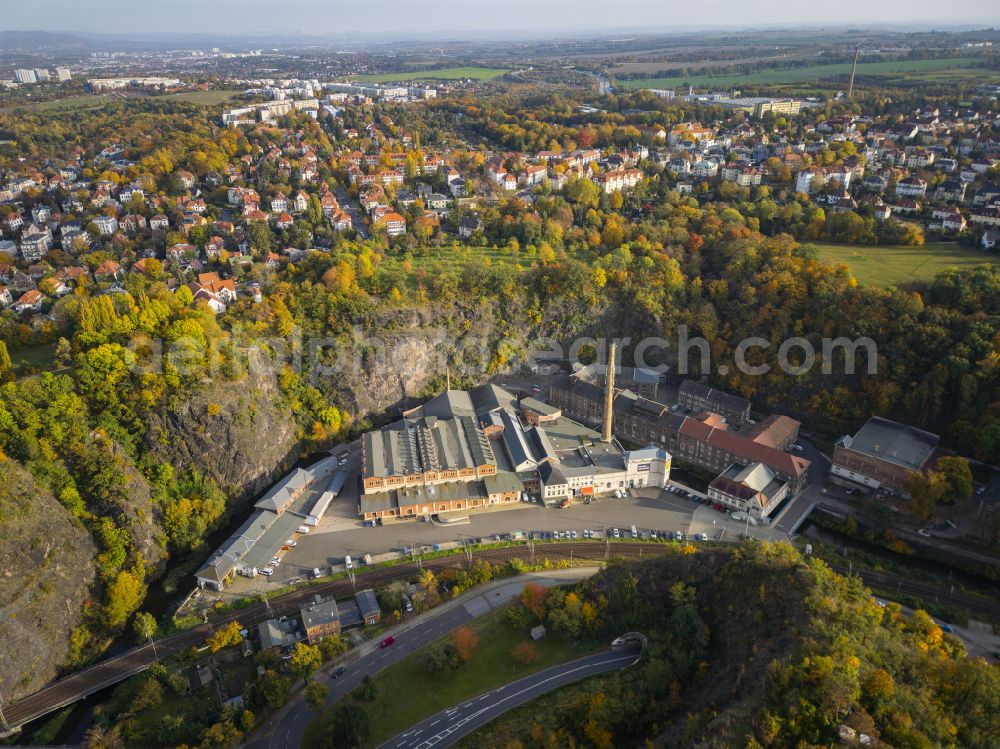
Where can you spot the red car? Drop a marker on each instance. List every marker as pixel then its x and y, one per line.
pixel 387 642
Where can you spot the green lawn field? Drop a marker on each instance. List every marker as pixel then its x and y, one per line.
pixel 403 694
pixel 911 69
pixel 39 358
pixel 896 266
pixel 445 74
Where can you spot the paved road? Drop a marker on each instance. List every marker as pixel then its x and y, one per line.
pixel 113 670
pixel 287 726
pixel 355 212
pixel 449 726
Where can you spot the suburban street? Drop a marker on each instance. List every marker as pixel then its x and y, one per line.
pixel 350 207
pixel 449 726
pixel 286 727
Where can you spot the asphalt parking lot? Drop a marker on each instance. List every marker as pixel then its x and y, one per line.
pixel 647 509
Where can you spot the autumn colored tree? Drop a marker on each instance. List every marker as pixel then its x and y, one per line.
pixel 533 598
pixel 5 364
pixel 957 478
pixel 225 636
pixel 465 642
pixel 305 660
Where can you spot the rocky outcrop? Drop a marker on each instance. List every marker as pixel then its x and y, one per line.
pixel 234 431
pixel 390 363
pixel 46 570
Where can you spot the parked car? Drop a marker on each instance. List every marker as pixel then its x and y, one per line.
pixel 616 533
pixel 797 447
pixel 266 571
pixel 316 573
pixel 302 529
pixel 946 628
pixel 291 542
pixel 387 641
pixel 339 672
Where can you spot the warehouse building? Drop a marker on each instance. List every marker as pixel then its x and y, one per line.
pixel 883 454
pixel 484 448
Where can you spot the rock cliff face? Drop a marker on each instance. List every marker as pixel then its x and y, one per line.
pixel 46 569
pixel 232 430
pixel 391 362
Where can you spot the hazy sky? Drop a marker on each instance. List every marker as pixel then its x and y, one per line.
pixel 548 16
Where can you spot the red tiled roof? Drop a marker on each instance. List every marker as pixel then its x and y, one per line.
pixel 745 448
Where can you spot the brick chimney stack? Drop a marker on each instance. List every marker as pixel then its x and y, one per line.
pixel 609 394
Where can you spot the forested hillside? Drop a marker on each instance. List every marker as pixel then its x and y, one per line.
pixel 757 648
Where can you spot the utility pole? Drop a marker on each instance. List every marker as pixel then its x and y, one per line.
pixel 854 69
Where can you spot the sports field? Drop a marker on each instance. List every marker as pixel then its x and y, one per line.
pixel 444 74
pixel 909 69
pixel 897 266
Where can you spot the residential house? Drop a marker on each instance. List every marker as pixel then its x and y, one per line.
pixel 279 203
pixel 54 287
pixel 109 270
pixel 395 225
pixel 911 187
pixel 320 619
pixel 106 225
pixel 534 174
pixel 469 225
pixel 951 190
pixel 610 182
pixel 30 301
pixel 982 217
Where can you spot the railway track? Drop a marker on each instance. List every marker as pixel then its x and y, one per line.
pixel 101 675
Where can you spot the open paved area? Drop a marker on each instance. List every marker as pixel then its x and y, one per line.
pixel 342 534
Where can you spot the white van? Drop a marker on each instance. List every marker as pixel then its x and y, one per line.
pixel 635 533
pixel 347 563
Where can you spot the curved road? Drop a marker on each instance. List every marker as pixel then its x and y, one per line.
pixel 82 683
pixel 285 729
pixel 447 727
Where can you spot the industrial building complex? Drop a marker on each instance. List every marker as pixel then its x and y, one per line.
pixel 485 447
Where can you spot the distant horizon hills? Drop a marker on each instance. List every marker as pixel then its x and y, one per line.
pixel 40 40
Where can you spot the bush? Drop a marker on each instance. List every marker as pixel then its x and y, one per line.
pixel 525 653
pixel 367 690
